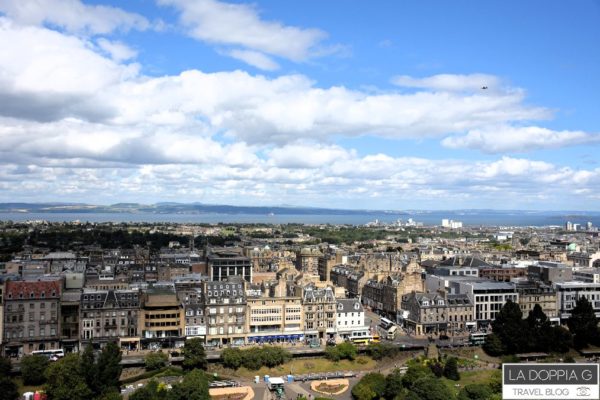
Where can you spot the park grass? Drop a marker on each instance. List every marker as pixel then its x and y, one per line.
pixel 482 376
pixel 471 352
pixel 301 366
pixel 25 388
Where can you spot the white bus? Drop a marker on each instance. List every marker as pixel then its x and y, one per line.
pixel 52 355
pixel 477 338
pixel 391 333
pixel 386 323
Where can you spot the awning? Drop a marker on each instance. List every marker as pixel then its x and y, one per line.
pixel 128 340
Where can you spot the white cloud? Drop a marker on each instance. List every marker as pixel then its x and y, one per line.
pixel 517 139
pixel 241 25
pixel 306 155
pixel 116 50
pixel 254 58
pixel 46 75
pixel 450 82
pixel 79 122
pixel 72 15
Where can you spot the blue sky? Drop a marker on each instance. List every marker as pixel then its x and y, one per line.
pixel 337 104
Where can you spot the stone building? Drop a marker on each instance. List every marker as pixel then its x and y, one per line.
pixel 307 260
pixel 109 316
pixel 31 316
pixel 225 311
pixel 319 312
pixel 531 294
pixel 427 313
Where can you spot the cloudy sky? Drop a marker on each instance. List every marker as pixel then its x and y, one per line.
pixel 360 104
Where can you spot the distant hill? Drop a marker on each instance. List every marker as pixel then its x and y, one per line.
pixel 179 208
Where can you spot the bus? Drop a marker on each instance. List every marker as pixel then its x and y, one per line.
pixel 477 338
pixel 363 340
pixel 391 333
pixel 385 323
pixel 52 355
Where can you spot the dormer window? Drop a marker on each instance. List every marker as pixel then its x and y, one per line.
pixel 43 295
pixel 340 306
pixel 425 303
pixel 31 295
pixel 356 306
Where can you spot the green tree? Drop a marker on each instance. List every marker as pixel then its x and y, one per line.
pixel 333 353
pixel 493 345
pixel 583 324
pixel 378 351
pixel 109 367
pixel 194 355
pixel 274 356
pixel 495 382
pixel 5 366
pixel 430 389
pixel 374 381
pixel 155 360
pixel 342 351
pixel 560 338
pixel 151 391
pixel 363 392
pixel 476 391
pixel 193 387
pixel 110 394
pixel 33 368
pixel 252 358
pixel 538 330
pixel 66 381
pixel 347 350
pixel 232 358
pixel 393 385
pixel 451 369
pixel 8 388
pixel 414 373
pixel 509 327
pixel 89 369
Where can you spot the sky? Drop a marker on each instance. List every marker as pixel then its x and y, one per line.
pixel 342 104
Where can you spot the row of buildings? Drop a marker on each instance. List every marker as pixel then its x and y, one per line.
pixel 46 314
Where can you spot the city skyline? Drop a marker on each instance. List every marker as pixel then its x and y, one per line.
pixel 412 105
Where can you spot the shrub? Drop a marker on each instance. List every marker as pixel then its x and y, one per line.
pixel 342 351
pixel 155 360
pixel 451 369
pixel 232 358
pixel 379 351
pixel 33 368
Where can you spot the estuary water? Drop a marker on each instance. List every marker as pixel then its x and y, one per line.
pixel 428 218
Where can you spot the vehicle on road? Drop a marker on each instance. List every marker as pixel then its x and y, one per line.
pixel 52 355
pixel 391 332
pixel 277 385
pixel 386 323
pixel 477 338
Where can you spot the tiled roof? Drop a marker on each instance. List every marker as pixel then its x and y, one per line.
pixel 33 290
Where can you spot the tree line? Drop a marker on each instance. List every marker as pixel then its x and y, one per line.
pixel 512 334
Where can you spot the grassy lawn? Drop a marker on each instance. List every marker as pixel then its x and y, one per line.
pixel 25 388
pixel 306 366
pixel 470 352
pixel 469 377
